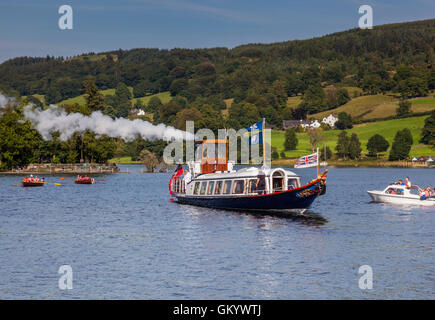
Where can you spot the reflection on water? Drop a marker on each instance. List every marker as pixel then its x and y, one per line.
pixel 308 217
pixel 124 238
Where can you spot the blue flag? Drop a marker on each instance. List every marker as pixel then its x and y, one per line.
pixel 256 127
pixel 256 133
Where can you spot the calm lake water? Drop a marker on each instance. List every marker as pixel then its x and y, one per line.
pixel 124 239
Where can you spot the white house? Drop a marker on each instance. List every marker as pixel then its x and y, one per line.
pixel 311 125
pixel 137 112
pixel 330 120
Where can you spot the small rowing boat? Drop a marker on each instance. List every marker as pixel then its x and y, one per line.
pixel 32 184
pixel 84 181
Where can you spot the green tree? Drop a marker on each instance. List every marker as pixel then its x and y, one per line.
pixel 94 99
pixel 314 99
pixel 401 147
pixel 149 159
pixel 354 147
pixel 342 146
pixel 189 114
pixel 428 131
pixel 325 154
pixel 315 136
pixel 154 104
pixel 404 108
pixel 376 144
pixel 413 87
pixel 275 155
pixel 344 121
pixel 291 140
pixel 178 86
pixel 18 141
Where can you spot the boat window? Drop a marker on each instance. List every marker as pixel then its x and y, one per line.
pixel 252 187
pixel 227 187
pixel 239 186
pixel 277 181
pixel 218 188
pixel 394 191
pixel 292 184
pixel 210 187
pixel 203 187
pixel 196 189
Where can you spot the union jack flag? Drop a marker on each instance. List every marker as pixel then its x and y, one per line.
pixel 308 161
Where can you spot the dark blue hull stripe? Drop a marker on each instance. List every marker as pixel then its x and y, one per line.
pixel 301 198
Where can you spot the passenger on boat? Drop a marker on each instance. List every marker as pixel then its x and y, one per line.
pixel 261 182
pixel 400 182
pixel 187 177
pixel 408 183
pixel 425 193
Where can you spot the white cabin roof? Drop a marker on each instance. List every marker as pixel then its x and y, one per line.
pixel 242 173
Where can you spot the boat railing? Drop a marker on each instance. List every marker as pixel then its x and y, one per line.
pixel 179 186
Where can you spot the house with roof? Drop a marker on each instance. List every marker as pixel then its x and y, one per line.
pixel 424 160
pixel 330 120
pixel 306 124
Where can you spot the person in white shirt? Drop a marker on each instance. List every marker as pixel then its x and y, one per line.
pixel 408 183
pixel 187 177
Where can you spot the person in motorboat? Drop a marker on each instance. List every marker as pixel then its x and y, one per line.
pixel 425 193
pixel 408 183
pixel 399 182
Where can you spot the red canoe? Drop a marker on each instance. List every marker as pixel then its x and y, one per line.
pixel 32 184
pixel 84 181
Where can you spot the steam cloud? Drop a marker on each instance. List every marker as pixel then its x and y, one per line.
pixel 3 101
pixel 56 119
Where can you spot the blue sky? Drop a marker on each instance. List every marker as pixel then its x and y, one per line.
pixel 30 27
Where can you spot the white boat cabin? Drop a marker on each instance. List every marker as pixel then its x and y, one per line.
pixel 215 176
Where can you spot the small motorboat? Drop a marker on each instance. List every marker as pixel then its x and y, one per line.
pixel 33 183
pixel 399 194
pixel 84 181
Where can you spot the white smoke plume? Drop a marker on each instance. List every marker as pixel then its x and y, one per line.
pixel 56 119
pixel 4 101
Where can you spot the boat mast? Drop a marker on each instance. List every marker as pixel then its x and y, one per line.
pixel 264 145
pixel 318 161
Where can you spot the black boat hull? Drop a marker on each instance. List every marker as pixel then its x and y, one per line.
pixel 294 199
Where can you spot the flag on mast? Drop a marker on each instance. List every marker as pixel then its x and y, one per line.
pixel 309 161
pixel 256 131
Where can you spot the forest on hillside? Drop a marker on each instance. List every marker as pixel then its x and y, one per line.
pixel 259 77
pixel 250 82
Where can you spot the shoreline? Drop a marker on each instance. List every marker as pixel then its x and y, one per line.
pixel 359 164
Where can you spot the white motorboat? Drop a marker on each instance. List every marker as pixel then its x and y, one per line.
pixel 398 194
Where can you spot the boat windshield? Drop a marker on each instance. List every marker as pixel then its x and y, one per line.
pixel 397 191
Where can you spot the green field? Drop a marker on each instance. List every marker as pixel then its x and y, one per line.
pixel 81 99
pixel 123 160
pixel 364 131
pixel 376 107
pixel 163 96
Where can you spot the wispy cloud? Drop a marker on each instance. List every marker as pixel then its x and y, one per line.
pixel 207 9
